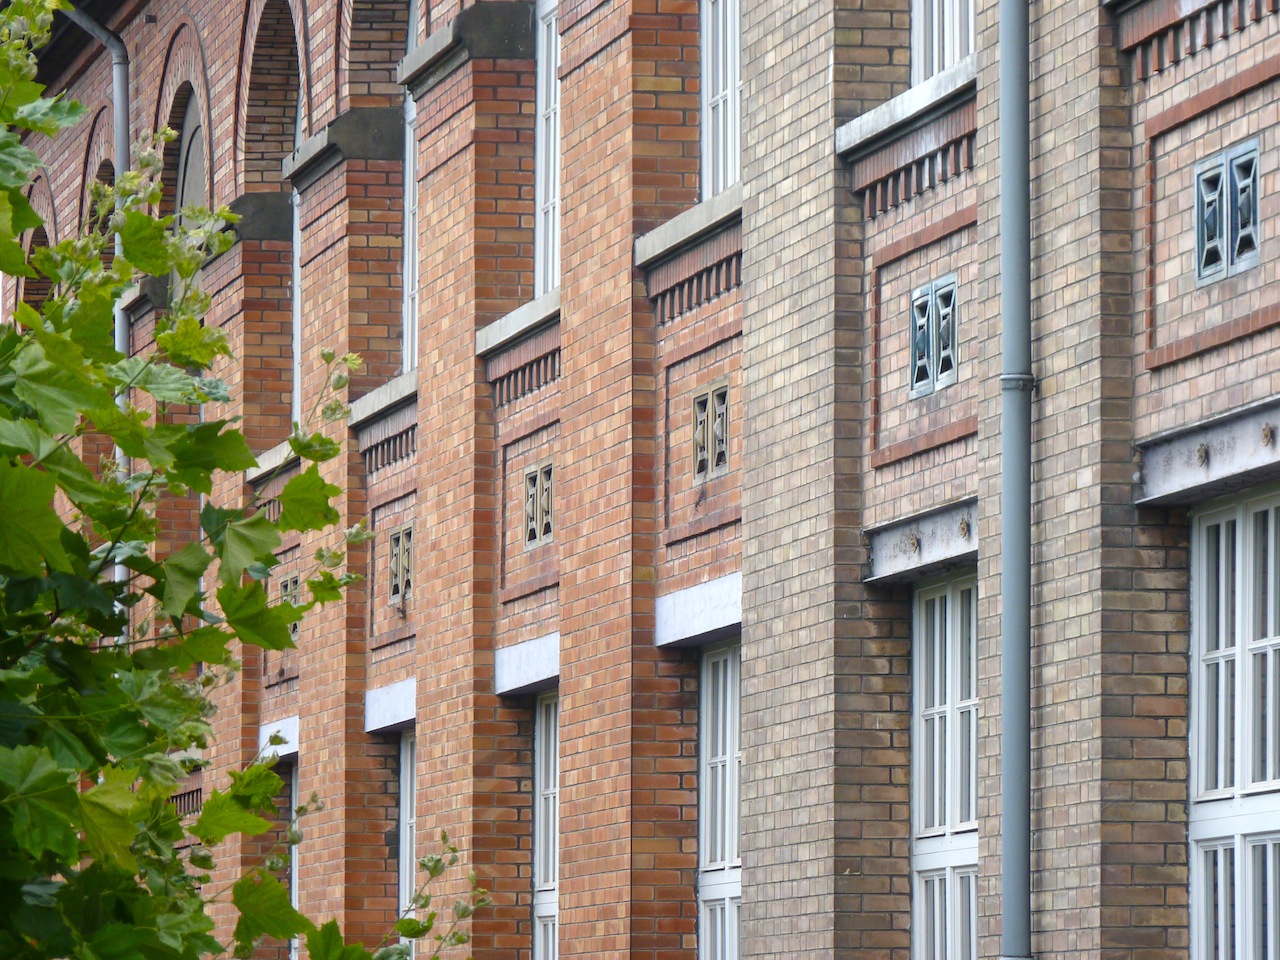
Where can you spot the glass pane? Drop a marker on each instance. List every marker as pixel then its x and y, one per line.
pixel 1228 723
pixel 967 916
pixel 944 785
pixel 1272 718
pixel 1229 584
pixel 968 662
pixel 929 653
pixel 1259 902
pixel 1227 910
pixel 929 786
pixel 1212 730
pixel 967 771
pixel 1259 753
pixel 1211 903
pixel 944 666
pixel 1261 621
pixel 1212 601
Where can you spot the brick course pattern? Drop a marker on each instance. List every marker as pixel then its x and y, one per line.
pixel 799 304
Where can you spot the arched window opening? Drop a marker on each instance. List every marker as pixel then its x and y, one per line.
pixel 33 291
pixel 274 115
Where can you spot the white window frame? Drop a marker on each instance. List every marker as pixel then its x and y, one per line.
pixel 295 277
pixel 407 816
pixel 721 53
pixel 1234 815
pixel 546 227
pixel 409 292
pixel 942 35
pixel 944 722
pixel 546 827
pixel 719 799
pixel 293 873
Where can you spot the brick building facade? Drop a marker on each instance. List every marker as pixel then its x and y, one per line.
pixel 679 433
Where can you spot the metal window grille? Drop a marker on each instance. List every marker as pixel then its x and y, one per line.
pixel 546 826
pixel 1226 213
pixel 934 314
pixel 941 36
pixel 281 665
pixel 720 780
pixel 291 593
pixel 546 232
pixel 538 505
pixel 400 566
pixel 1234 737
pixel 711 432
pixel 721 95
pixel 944 771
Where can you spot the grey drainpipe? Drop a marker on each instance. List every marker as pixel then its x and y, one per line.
pixel 1016 383
pixel 120 110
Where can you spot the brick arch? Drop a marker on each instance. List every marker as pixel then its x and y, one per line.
pixel 273 66
pixel 97 156
pixel 40 196
pixel 185 82
pixel 372 39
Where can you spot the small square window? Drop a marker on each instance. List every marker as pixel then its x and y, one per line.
pixel 933 336
pixel 1226 213
pixel 711 432
pixel 400 566
pixel 291 593
pixel 538 505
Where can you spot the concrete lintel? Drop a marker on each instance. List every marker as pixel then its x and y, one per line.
pixel 493 29
pixel 527 667
pixel 277 458
pixel 395 705
pixel 381 400
pixel 699 615
pixel 913 547
pixel 1213 457
pixel 687 227
pixel 286 728
pixel 519 323
pixel 907 111
pixel 263 216
pixel 362 133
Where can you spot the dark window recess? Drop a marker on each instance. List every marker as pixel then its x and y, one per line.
pixel 400 566
pixel 1227 213
pixel 711 432
pixel 934 314
pixel 538 519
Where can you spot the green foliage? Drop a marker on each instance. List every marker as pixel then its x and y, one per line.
pixel 101 704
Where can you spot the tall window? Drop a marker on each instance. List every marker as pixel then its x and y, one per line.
pixel 408 843
pixel 546 827
pixel 192 188
pixel 291 782
pixel 944 852
pixel 720 780
pixel 721 95
pixel 295 275
pixel 409 307
pixel 1235 732
pixel 941 36
pixel 546 230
